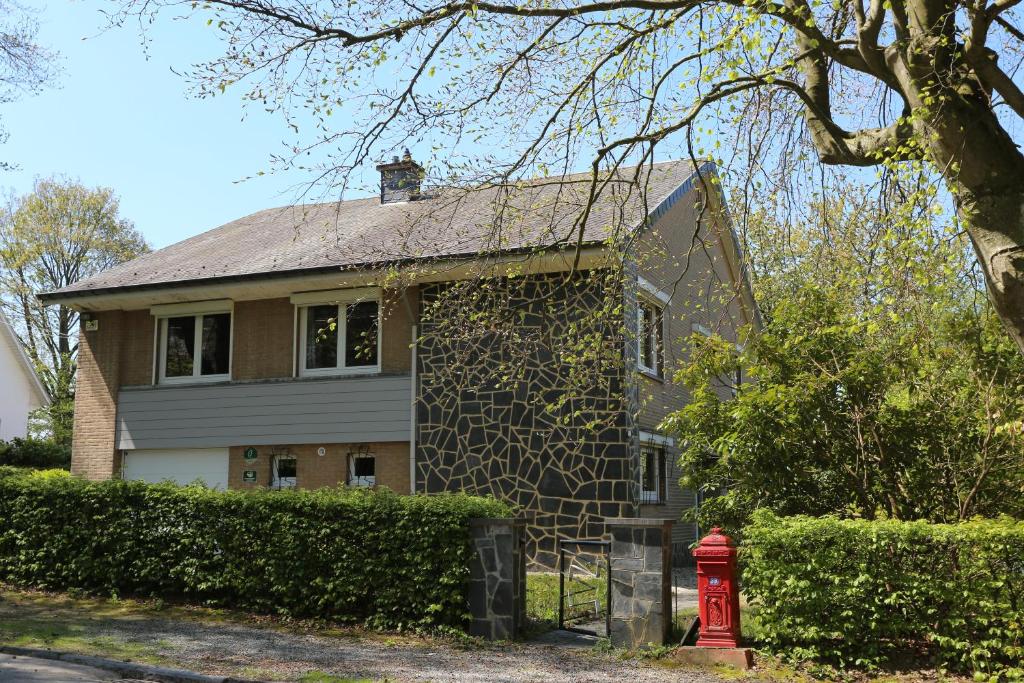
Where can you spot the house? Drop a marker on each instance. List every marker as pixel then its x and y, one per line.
pixel 421 340
pixel 22 391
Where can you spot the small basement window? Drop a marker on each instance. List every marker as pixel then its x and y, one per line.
pixel 652 474
pixel 195 348
pixel 284 474
pixel 362 470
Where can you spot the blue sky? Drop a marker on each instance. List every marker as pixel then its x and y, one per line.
pixel 125 121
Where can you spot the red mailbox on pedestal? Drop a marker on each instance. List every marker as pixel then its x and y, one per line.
pixel 717 591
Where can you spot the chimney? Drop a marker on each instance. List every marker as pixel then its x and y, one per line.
pixel 400 179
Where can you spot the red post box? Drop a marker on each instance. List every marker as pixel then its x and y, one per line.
pixel 717 591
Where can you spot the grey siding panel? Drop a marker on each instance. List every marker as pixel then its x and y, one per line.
pixel 343 410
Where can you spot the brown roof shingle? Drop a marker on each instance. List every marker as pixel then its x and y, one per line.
pixel 362 232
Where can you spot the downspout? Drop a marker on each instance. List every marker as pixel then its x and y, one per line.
pixel 412 415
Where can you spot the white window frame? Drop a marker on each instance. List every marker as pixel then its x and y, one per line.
pixel 662 443
pixel 648 293
pixel 338 298
pixel 198 311
pixel 362 482
pixel 653 497
pixel 657 336
pixel 276 482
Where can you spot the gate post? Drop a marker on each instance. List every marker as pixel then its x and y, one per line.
pixel 641 576
pixel 497 577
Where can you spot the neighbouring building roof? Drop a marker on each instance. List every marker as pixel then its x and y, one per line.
pixel 540 213
pixel 9 339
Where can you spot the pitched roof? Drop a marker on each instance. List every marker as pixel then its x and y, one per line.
pixel 362 233
pixel 10 339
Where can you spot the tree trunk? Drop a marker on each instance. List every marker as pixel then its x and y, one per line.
pixel 995 223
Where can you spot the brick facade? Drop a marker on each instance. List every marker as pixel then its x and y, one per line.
pixel 263 339
pixel 318 471
pixel 99 376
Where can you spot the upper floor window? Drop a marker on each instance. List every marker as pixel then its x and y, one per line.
pixel 650 321
pixel 194 347
pixel 339 338
pixel 650 327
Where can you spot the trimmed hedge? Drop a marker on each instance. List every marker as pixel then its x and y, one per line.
pixel 858 592
pixel 35 453
pixel 345 554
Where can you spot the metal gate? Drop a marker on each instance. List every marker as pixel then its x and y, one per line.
pixel 585 586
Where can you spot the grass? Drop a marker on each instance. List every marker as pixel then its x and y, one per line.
pixel 542 598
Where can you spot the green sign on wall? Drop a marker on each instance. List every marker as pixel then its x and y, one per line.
pixel 249 476
pixel 250 453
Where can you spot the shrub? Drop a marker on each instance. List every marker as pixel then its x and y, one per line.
pixel 858 592
pixel 352 555
pixel 35 453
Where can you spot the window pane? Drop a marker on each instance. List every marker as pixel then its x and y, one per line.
pixel 216 344
pixel 286 468
pixel 321 337
pixel 181 346
pixel 361 335
pixel 648 336
pixel 649 473
pixel 364 467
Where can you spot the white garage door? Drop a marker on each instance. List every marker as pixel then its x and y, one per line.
pixel 182 466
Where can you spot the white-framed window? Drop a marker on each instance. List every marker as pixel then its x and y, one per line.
pixel 284 472
pixel 339 337
pixel 650 322
pixel 194 343
pixel 362 470
pixel 652 473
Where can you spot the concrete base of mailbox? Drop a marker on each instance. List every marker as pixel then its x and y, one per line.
pixel 736 657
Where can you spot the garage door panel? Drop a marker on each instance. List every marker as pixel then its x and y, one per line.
pixel 181 466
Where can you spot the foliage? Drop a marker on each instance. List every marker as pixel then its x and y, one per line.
pixel 59 234
pixel 859 592
pixel 39 454
pixel 499 91
pixel 881 385
pixel 350 555
pixel 25 66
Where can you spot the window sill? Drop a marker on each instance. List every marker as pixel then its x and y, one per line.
pixel 188 381
pixel 650 374
pixel 344 372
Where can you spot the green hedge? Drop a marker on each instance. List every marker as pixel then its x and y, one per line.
pixel 352 555
pixel 36 453
pixel 860 592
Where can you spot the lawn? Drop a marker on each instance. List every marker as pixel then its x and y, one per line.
pixel 542 597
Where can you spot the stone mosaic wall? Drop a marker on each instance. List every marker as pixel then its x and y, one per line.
pixel 522 395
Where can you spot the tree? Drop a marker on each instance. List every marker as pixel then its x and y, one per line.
pixel 926 83
pixel 25 66
pixel 881 385
pixel 59 234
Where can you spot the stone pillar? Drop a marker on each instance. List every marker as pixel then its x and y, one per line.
pixel 497 579
pixel 641 569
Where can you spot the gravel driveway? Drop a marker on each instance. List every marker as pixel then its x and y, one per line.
pixel 272 652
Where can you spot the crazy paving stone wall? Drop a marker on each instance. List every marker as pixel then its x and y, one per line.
pixel 521 395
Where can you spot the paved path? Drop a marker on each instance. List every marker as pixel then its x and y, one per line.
pixel 30 670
